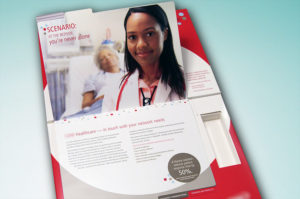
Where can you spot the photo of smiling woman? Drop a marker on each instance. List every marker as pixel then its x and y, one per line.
pixel 153 73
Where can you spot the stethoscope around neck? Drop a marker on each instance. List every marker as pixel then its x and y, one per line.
pixel 146 100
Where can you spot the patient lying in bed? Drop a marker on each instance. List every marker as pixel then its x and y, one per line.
pixel 107 60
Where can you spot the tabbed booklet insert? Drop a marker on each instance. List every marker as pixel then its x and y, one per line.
pixel 113 134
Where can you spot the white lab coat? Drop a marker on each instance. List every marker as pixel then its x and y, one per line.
pixel 130 94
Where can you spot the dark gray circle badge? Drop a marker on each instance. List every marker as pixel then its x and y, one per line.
pixel 184 167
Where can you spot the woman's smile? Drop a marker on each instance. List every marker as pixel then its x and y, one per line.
pixel 144 54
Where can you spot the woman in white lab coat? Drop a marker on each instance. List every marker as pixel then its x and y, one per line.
pixel 153 73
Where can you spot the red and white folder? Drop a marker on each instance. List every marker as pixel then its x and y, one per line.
pixel 231 172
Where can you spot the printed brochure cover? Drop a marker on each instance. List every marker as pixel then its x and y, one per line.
pixel 133 108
